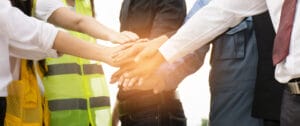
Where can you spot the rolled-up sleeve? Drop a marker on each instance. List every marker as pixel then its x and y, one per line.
pixel 207 24
pixel 26 34
pixel 45 8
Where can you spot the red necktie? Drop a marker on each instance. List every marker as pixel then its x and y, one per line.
pixel 283 36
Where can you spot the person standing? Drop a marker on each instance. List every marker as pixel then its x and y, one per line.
pixel 268 91
pixel 232 76
pixel 225 14
pixel 151 19
pixel 26 37
pixel 75 88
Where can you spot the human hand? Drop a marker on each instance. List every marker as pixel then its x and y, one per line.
pixel 140 50
pixel 152 82
pixel 123 37
pixel 108 51
pixel 139 69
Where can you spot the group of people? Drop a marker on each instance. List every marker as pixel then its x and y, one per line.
pixel 253 79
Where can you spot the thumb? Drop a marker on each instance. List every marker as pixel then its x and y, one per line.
pixel 146 53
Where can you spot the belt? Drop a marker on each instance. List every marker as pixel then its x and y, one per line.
pixel 294 85
pixel 137 104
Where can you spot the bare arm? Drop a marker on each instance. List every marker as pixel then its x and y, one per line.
pixel 68 19
pixel 91 51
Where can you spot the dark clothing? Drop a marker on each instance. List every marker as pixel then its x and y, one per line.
pixel 151 19
pixel 24 5
pixel 232 77
pixel 271 122
pixel 2 110
pixel 268 92
pixel 152 110
pixel 290 110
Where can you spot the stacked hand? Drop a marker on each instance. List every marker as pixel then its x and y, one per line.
pixel 138 64
pixel 126 38
pixel 123 37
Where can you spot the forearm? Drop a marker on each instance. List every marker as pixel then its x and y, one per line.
pixel 92 27
pixel 157 42
pixel 65 43
pixel 67 19
pixel 209 22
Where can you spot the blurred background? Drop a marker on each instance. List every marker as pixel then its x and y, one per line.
pixel 193 91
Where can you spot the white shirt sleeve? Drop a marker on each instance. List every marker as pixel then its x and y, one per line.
pixel 209 22
pixel 45 8
pixel 26 35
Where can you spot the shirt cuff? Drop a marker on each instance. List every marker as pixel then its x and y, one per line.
pixel 47 38
pixel 168 52
pixel 44 9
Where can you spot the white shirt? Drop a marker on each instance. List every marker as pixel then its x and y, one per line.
pixel 24 37
pixel 219 15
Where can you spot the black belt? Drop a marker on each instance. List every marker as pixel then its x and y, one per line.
pixel 141 103
pixel 294 85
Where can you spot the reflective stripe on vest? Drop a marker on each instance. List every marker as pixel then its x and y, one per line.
pixel 75 88
pixel 73 68
pixel 78 103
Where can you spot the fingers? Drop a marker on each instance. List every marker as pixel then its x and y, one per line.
pixel 119 49
pixel 118 39
pixel 142 40
pixel 121 81
pixel 124 84
pixel 132 82
pixel 125 54
pixel 146 53
pixel 129 83
pixel 117 75
pixel 134 73
pixel 140 81
pixel 131 36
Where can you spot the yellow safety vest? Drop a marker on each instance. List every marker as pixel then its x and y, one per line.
pixel 75 88
pixel 24 101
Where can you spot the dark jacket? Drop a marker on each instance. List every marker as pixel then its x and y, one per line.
pixel 268 92
pixel 150 19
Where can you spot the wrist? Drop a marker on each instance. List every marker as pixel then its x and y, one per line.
pixel 160 40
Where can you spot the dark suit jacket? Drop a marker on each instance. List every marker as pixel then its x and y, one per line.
pixel 150 19
pixel 268 92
